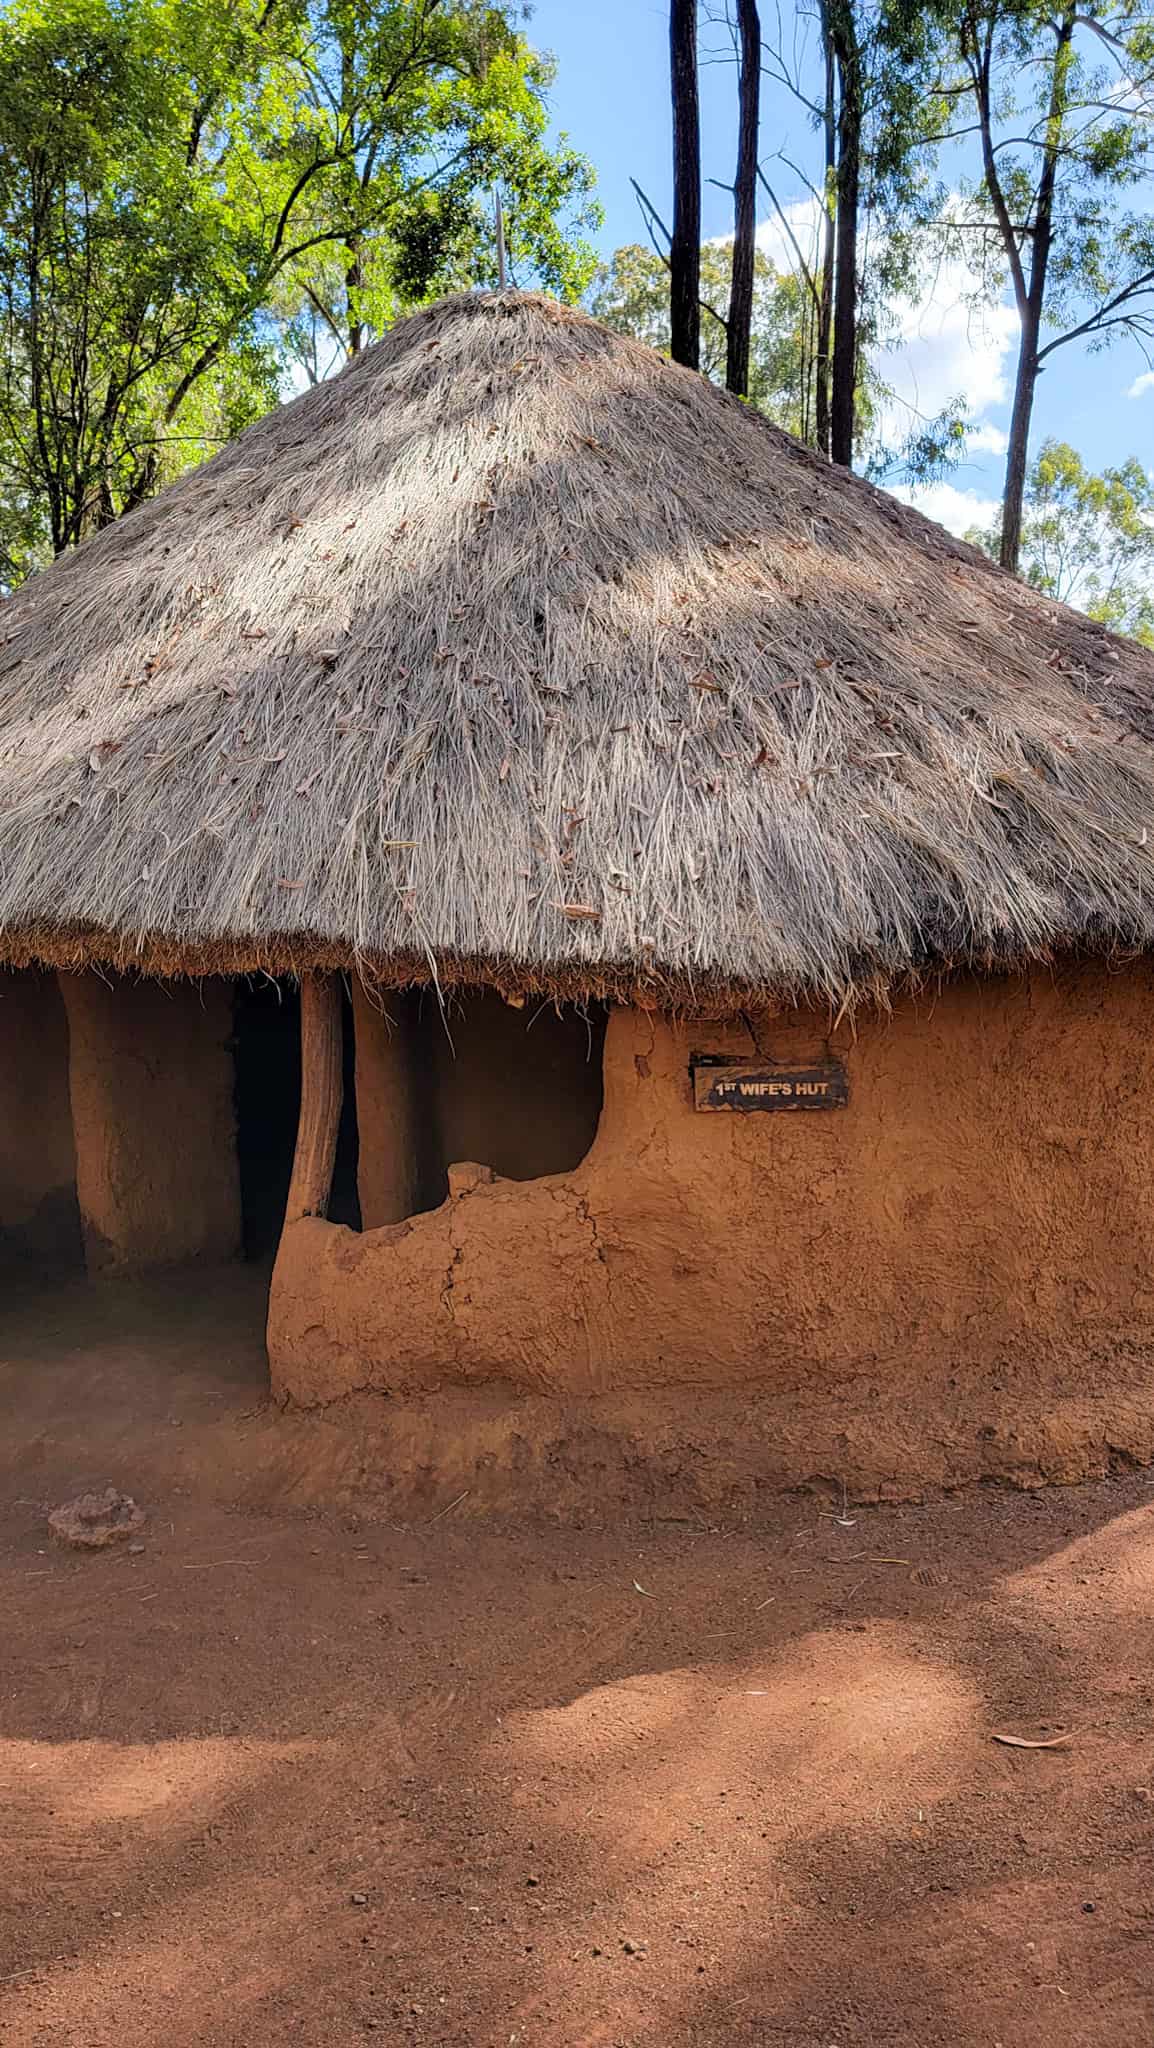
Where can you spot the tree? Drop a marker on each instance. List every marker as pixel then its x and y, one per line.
pixel 840 30
pixel 175 180
pixel 1063 103
pixel 868 95
pixel 481 105
pixel 1088 539
pixel 631 294
pixel 98 234
pixel 685 241
pixel 744 201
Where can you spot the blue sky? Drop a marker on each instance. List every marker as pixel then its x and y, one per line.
pixel 611 96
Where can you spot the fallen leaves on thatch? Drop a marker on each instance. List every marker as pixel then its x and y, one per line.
pixel 914 763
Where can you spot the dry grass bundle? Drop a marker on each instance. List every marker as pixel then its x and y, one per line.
pixel 516 654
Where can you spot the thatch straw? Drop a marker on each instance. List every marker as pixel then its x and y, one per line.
pixel 516 654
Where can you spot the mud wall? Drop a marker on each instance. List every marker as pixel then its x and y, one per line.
pixel 38 1214
pixel 974 1231
pixel 151 1085
pixel 972 1238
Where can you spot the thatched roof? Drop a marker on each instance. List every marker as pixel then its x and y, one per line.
pixel 516 654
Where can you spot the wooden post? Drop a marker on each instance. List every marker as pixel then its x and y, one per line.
pixel 321 1090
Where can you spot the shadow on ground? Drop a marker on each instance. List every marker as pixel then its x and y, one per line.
pixel 295 1775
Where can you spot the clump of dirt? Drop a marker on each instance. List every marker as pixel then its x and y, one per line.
pixel 94 1520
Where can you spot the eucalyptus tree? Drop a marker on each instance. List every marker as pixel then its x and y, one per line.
pixel 1061 104
pixel 685 237
pixel 744 198
pixel 630 293
pixel 1088 538
pixel 177 183
pixel 864 74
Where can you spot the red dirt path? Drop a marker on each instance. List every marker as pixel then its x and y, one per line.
pixel 298 1776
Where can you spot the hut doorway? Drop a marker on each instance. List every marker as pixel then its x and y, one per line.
pixel 39 1212
pixel 267 1094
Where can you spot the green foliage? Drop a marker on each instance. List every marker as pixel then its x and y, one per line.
pixel 902 43
pixel 631 294
pixel 1089 539
pixel 419 162
pixel 114 262
pixel 1072 89
pixel 187 190
pixel 930 449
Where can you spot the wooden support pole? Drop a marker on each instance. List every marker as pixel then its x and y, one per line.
pixel 321 1091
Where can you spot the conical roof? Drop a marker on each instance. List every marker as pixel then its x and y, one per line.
pixel 517 654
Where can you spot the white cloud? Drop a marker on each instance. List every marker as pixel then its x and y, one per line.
pixel 987 439
pixel 954 509
pixel 948 348
pixel 946 344
pixel 1131 96
pixel 774 238
pixel 1142 385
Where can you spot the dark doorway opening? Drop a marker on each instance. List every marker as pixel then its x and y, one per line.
pixel 267 1068
pixel 472 1079
pixel 519 1090
pixel 39 1213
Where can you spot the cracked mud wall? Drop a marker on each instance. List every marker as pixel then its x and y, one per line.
pixel 151 1085
pixel 39 1220
pixel 981 1213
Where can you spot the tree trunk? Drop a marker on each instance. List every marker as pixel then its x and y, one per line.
pixel 354 278
pixel 829 215
pixel 1041 242
pixel 685 242
pixel 1019 445
pixel 744 203
pixel 844 361
pixel 354 268
pixel 322 1086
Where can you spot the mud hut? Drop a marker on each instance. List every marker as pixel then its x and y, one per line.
pixel 651 932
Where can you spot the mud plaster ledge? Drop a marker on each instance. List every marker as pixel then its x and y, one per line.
pixel 677 1452
pixel 951 1279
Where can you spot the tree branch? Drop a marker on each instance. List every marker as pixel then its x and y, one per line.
pixel 787 228
pixel 1138 287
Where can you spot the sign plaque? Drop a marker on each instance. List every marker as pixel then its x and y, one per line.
pixel 750 1085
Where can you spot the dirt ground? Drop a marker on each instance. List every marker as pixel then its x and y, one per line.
pixel 300 1774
